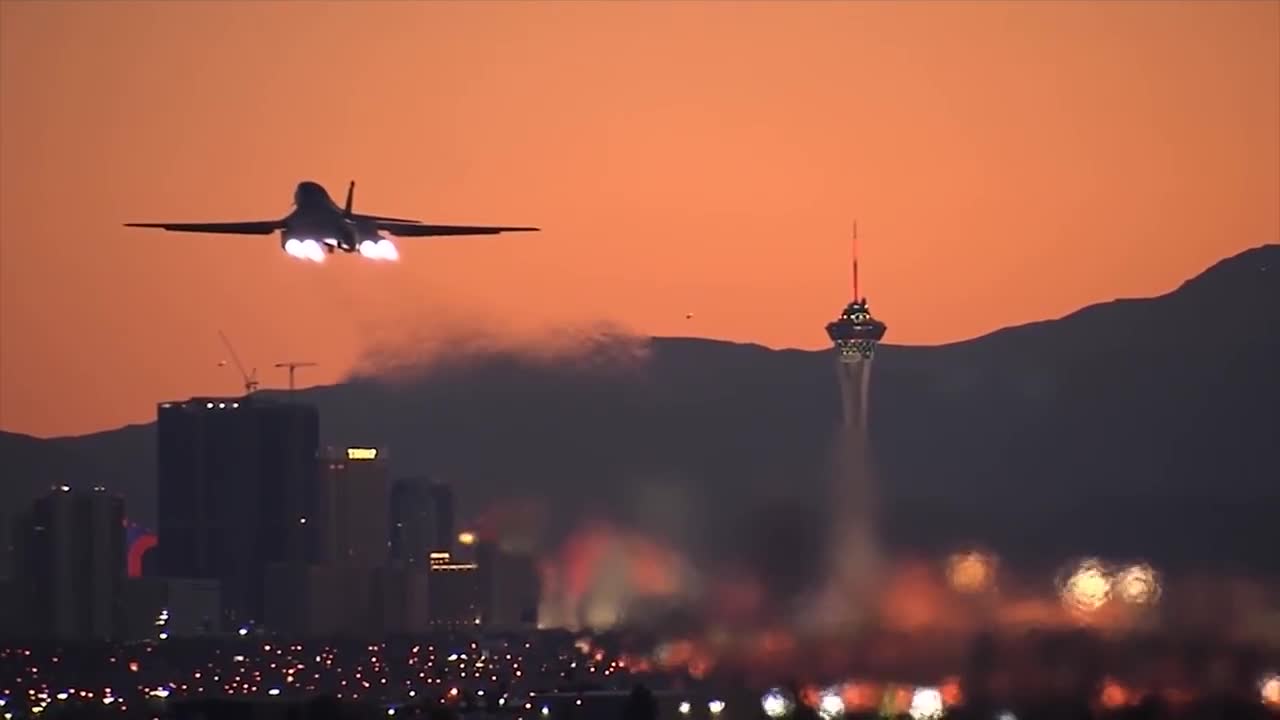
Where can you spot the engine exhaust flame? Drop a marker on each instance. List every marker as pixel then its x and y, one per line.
pixel 304 249
pixel 382 249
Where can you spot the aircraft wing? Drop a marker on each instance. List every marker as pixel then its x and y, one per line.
pixel 382 218
pixel 256 227
pixel 419 230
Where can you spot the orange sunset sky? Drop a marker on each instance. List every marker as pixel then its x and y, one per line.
pixel 1007 162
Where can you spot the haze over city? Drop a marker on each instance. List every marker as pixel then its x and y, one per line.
pixel 720 360
pixel 704 159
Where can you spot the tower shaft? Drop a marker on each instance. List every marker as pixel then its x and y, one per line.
pixel 855 386
pixel 855 489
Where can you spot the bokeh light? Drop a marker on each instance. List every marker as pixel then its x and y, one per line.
pixel 776 704
pixel 926 704
pixel 1137 585
pixel 1088 587
pixel 1269 690
pixel 830 704
pixel 971 572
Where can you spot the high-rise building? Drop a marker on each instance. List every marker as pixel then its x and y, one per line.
pixel 508 586
pixel 238 480
pixel 453 591
pixel 421 519
pixel 72 564
pixel 355 508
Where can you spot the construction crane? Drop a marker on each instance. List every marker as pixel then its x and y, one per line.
pixel 294 366
pixel 250 378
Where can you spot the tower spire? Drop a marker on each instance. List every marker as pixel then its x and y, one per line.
pixel 855 260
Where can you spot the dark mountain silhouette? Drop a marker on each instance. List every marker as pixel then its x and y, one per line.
pixel 1146 427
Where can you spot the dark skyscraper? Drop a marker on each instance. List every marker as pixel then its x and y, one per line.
pixel 238 478
pixel 355 508
pixel 509 587
pixel 72 565
pixel 421 519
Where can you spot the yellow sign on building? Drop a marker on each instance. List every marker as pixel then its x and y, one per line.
pixel 362 453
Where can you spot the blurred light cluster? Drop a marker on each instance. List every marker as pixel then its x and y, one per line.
pixel 1138 585
pixel 776 704
pixel 1269 689
pixel 971 572
pixel 1088 588
pixel 1091 585
pixel 831 704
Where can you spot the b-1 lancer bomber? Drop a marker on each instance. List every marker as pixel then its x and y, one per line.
pixel 316 225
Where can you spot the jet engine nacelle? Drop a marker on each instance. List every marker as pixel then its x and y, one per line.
pixel 367 230
pixel 372 244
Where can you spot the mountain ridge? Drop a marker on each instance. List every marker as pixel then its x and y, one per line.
pixel 1139 411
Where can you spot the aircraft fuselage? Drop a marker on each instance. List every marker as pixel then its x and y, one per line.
pixel 318 218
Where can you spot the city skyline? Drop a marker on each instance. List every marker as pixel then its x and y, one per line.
pixel 1083 152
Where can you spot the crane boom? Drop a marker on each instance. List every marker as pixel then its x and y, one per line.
pixel 250 378
pixel 294 366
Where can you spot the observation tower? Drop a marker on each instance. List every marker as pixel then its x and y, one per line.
pixel 855 555
pixel 856 335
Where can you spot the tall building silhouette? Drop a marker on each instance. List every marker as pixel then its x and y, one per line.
pixel 508 586
pixel 238 479
pixel 355 507
pixel 72 564
pixel 422 519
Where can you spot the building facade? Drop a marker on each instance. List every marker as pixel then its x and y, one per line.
pixel 355 508
pixel 238 479
pixel 72 565
pixel 422 520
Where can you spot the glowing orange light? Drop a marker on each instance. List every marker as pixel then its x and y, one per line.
pixel 951 694
pixel 1088 588
pixel 1113 695
pixel 467 538
pixel 1270 691
pixel 971 572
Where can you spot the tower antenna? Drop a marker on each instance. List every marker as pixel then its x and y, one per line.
pixel 855 261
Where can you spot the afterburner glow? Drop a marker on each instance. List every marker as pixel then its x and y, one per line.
pixel 381 249
pixel 304 249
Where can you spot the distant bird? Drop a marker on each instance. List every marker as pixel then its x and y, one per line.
pixel 688 316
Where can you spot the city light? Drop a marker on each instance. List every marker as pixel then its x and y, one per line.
pixel 830 705
pixel 971 572
pixel 1269 690
pixel 467 538
pixel 1137 585
pixel 359 453
pixel 776 704
pixel 926 704
pixel 1088 588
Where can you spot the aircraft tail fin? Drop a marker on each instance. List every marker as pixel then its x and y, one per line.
pixel 351 192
